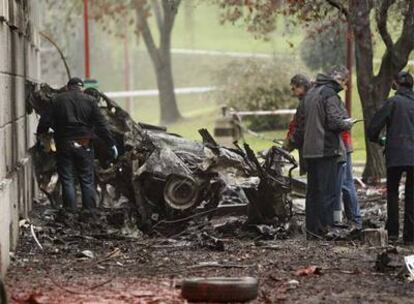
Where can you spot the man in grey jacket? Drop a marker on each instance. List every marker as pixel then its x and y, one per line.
pixel 321 120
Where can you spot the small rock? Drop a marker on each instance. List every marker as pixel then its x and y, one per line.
pixel 375 237
pixel 87 254
pixel 293 284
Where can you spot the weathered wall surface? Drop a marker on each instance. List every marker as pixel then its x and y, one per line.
pixel 19 61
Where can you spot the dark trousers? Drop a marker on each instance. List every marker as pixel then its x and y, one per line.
pixel 76 163
pixel 393 182
pixel 321 193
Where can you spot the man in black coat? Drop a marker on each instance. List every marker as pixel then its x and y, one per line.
pixel 321 119
pixel 397 115
pixel 75 118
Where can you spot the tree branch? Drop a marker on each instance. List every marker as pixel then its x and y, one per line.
pixel 395 59
pixel 144 29
pixel 381 19
pixel 170 8
pixel 338 5
pixel 158 14
pixel 47 37
pixel 360 21
pixel 407 34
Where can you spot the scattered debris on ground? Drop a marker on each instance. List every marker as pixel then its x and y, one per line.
pixel 88 258
pixel 173 210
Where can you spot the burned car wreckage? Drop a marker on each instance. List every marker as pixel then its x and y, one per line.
pixel 167 179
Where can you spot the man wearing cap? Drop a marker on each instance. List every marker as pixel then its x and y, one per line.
pixel 321 120
pixel 75 118
pixel 397 116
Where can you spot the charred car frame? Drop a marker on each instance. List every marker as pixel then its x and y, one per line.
pixel 169 179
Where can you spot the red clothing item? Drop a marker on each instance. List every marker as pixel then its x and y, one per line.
pixel 346 137
pixel 293 124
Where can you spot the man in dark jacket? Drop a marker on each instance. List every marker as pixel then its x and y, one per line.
pixel 397 115
pixel 321 121
pixel 75 118
pixel 299 85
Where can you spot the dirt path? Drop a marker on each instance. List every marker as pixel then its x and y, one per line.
pixel 150 270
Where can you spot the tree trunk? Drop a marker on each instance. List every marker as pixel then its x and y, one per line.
pixel 372 99
pixel 165 80
pixel 375 164
pixel 161 56
pixel 367 88
pixel 168 104
pixel 374 90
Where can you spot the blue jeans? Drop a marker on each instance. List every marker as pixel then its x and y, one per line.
pixel 76 163
pixel 345 184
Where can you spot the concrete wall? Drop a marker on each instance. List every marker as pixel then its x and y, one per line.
pixel 19 61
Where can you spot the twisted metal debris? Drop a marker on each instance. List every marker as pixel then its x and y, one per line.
pixel 167 179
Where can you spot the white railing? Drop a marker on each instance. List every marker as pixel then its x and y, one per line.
pixel 147 93
pixel 264 113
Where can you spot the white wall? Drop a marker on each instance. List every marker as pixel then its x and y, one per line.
pixel 19 61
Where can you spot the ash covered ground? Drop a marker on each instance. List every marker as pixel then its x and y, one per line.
pixel 102 258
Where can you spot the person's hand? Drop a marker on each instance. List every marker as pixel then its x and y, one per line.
pixel 287 145
pixel 39 142
pixel 114 152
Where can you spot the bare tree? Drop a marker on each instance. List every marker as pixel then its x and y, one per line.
pixel 375 88
pixel 112 15
pixel 164 12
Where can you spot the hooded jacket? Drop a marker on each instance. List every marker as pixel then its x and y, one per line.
pixel 321 120
pixel 397 115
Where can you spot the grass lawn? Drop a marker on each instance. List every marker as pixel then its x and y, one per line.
pixel 199 111
pixel 205 31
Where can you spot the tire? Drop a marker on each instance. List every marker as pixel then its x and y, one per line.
pixel 220 289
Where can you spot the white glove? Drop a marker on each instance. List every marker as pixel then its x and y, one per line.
pixel 114 152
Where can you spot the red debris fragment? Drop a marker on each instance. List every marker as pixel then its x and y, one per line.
pixel 33 298
pixel 308 271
